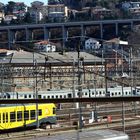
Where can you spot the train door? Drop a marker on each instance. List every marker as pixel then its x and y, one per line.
pixel 4 120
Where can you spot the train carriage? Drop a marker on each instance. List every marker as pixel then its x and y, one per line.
pixel 17 116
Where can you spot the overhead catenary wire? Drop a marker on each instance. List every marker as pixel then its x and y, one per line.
pixel 47 56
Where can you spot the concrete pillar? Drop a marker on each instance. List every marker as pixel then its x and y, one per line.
pixel 27 34
pixel 116 27
pixel 11 38
pixel 83 34
pixel 101 30
pixel 64 33
pixel 46 33
pixel 132 25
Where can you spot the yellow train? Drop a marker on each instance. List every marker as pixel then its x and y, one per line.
pixel 17 116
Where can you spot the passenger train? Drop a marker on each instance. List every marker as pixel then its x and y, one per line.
pixel 18 116
pixel 69 93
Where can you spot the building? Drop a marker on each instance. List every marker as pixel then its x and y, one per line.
pixel 100 13
pixel 133 8
pixel 45 46
pixel 57 12
pixel 54 70
pixel 9 18
pixel 92 44
pixel 1 16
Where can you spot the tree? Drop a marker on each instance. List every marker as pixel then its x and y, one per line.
pixel 27 18
pixel 55 2
pixel 10 7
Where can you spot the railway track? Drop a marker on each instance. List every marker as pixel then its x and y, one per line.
pixel 132 126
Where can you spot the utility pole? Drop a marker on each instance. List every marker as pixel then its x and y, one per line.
pixel 35 87
pixel 36 94
pixel 80 60
pixel 123 108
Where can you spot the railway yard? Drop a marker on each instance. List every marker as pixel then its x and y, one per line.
pixel 109 117
pixel 54 79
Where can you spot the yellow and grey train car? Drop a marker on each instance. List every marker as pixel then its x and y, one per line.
pixel 18 116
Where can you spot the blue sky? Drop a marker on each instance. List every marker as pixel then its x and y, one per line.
pixel 27 2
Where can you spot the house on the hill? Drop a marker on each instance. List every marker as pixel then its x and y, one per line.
pixel 92 44
pixel 45 46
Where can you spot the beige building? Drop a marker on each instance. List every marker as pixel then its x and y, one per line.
pixel 1 16
pixel 53 70
pixel 57 12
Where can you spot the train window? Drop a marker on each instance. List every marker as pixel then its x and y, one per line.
pixel 3 117
pixel 56 96
pixel 19 115
pixel 60 96
pixel 32 115
pixel 126 92
pixel 96 93
pixel 100 92
pixel 12 117
pixel 129 93
pixel 119 93
pixel 112 94
pixel 6 117
pixel 52 97
pixel 115 93
pixel 40 112
pixel 44 97
pixel 85 93
pixel 26 115
pixel 69 95
pixel 53 110
pixel 25 96
pixel 29 95
pixel 92 93
pixel 39 96
pixel 64 96
pixel 78 94
pixel 8 96
pixel 48 97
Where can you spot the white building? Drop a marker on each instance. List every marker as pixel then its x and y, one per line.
pixel 45 46
pixel 92 44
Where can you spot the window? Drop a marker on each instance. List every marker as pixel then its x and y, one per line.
pixel 29 95
pixel 39 96
pixel 32 115
pixel 25 96
pixel 19 115
pixel 60 96
pixel 26 115
pixel 53 110
pixel 6 117
pixel 92 93
pixel 48 97
pixel 40 112
pixel 12 117
pixel 3 117
pixel 85 93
